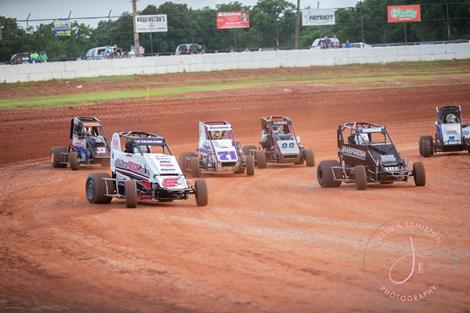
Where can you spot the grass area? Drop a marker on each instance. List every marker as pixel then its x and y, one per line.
pixel 84 98
pixel 352 77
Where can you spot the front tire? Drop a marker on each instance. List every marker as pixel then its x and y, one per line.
pixel 249 150
pixel 360 177
pixel 426 148
pixel 95 188
pixel 325 175
pixel 261 158
pixel 57 156
pixel 250 165
pixel 74 161
pixel 130 190
pixel 184 160
pixel 202 195
pixel 195 169
pixel 419 174
pixel 309 158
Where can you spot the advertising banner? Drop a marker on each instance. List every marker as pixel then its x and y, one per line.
pixel 404 13
pixel 227 20
pixel 151 23
pixel 61 28
pixel 318 17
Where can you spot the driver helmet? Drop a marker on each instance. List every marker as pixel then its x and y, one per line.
pixel 216 135
pixel 87 130
pixel 275 129
pixel 451 118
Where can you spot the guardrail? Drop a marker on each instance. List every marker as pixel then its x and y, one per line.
pixel 231 61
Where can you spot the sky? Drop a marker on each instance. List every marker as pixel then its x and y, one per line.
pixel 51 9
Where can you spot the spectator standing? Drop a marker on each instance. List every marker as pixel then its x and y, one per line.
pixel 42 57
pixel 348 44
pixel 34 57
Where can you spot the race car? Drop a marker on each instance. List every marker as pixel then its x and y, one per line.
pixel 279 144
pixel 144 170
pixel 88 145
pixel 450 136
pixel 367 155
pixel 218 151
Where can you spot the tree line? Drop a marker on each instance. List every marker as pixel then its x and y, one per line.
pixel 272 24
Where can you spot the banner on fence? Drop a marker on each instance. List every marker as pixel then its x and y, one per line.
pixel 318 17
pixel 151 23
pixel 404 13
pixel 227 20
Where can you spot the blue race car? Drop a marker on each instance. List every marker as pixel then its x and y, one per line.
pixel 88 145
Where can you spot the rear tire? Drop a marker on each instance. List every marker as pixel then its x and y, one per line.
pixel 57 156
pixel 130 189
pixel 426 148
pixel 195 169
pixel 74 161
pixel 325 175
pixel 261 158
pixel 250 165
pixel 95 188
pixel 309 158
pixel 202 195
pixel 183 160
pixel 419 174
pixel 360 177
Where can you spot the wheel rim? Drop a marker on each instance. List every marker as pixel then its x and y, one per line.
pixel 90 191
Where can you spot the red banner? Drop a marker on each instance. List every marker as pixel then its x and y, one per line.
pixel 226 20
pixel 404 13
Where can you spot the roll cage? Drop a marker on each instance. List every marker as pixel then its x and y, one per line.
pixel 142 141
pixel 283 123
pixel 223 128
pixel 363 133
pixel 442 112
pixel 78 125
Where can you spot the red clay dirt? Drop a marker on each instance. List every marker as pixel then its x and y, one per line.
pixel 274 242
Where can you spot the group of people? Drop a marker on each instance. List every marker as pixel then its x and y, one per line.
pixel 36 57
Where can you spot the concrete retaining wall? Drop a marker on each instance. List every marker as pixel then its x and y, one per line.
pixel 230 61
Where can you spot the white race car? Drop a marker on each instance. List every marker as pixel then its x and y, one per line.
pixel 217 152
pixel 144 170
pixel 451 134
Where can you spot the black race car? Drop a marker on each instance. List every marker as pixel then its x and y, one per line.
pixel 88 145
pixel 367 155
pixel 279 144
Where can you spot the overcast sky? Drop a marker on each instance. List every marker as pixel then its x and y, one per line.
pixel 39 9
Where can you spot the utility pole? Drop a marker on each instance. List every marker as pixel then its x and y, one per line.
pixel 136 35
pixel 297 27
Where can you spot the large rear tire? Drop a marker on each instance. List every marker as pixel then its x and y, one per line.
pixel 309 158
pixel 195 169
pixel 57 155
pixel 250 165
pixel 360 177
pixel 130 188
pixel 74 161
pixel 95 188
pixel 325 175
pixel 202 195
pixel 419 174
pixel 261 158
pixel 184 160
pixel 426 148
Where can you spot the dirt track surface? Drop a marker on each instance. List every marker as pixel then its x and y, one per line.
pixel 275 242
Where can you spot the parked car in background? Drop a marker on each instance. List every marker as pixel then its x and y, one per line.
pixel 20 58
pixel 189 48
pixel 105 52
pixel 325 42
pixel 360 45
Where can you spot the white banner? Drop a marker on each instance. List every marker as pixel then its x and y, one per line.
pixel 151 23
pixel 318 17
